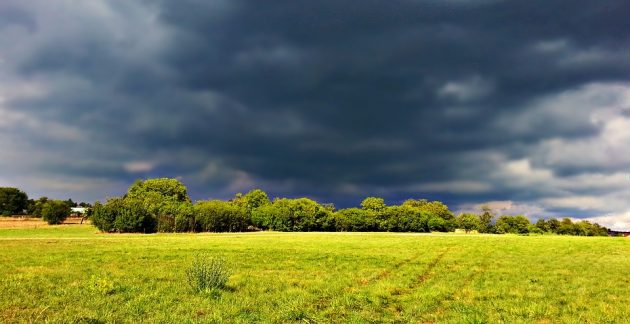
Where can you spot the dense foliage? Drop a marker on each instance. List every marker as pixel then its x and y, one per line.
pixel 34 207
pixel 149 206
pixel 220 216
pixel 12 201
pixel 163 205
pixel 55 211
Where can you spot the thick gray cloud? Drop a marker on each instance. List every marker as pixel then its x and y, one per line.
pixel 526 104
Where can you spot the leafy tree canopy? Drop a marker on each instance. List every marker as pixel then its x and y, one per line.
pixel 159 188
pixel 12 201
pixel 375 204
pixel 55 211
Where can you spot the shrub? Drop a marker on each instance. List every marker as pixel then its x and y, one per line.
pixel 468 222
pixel 375 204
pixel 264 216
pixel 12 201
pixel 403 219
pixel 436 224
pixel 355 220
pixel 252 200
pixel 105 215
pixel 165 223
pixel 173 216
pixel 207 273
pixel 160 187
pixel 55 212
pixel 123 216
pixel 185 219
pixel 133 217
pixel 221 216
pixel 293 215
pixel 512 224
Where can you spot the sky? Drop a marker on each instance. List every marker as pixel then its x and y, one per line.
pixel 522 105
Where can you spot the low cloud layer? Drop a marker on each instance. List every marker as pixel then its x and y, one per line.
pixel 465 101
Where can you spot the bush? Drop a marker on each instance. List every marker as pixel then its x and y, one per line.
pixel 133 217
pixel 123 216
pixel 173 216
pixel 512 224
pixel 468 222
pixel 160 187
pixel 436 224
pixel 356 220
pixel 220 216
pixel 185 219
pixel 264 217
pixel 55 212
pixel 207 273
pixel 403 219
pixel 105 215
pixel 12 201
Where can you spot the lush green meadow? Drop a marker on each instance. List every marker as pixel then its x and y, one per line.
pixel 71 273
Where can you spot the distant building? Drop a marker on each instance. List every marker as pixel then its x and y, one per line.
pixel 78 211
pixel 619 233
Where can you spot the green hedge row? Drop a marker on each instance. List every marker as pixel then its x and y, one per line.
pixel 163 205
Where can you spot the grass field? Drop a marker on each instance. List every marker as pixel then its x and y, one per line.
pixel 71 273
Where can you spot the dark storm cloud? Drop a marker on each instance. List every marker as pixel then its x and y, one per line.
pixel 457 100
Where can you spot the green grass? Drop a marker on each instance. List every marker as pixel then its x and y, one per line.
pixel 73 274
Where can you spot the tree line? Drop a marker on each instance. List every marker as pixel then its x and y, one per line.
pixel 163 205
pixel 16 202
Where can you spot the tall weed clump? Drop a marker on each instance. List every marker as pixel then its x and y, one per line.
pixel 207 274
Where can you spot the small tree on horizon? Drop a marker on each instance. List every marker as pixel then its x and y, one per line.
pixel 55 211
pixel 468 222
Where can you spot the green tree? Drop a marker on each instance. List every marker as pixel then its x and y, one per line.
pixel 512 224
pixel 162 187
pixel 163 199
pixel 35 206
pixel 104 215
pixel 543 225
pixel 253 199
pixel 435 208
pixel 436 224
pixel 566 227
pixel 12 201
pixel 554 225
pixel 355 220
pixel 133 217
pixel 293 215
pixel 533 229
pixel 55 211
pixel 403 219
pixel 417 203
pixel 70 203
pixel 149 206
pixel 375 204
pixel 468 222
pixel 220 216
pixel 485 219
pixel 439 209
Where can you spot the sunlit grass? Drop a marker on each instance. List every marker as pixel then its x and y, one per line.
pixel 71 273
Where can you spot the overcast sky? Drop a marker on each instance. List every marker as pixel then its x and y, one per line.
pixel 523 104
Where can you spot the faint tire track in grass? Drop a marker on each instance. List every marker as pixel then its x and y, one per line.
pixel 427 273
pixel 438 305
pixel 326 303
pixel 388 271
pixel 466 282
